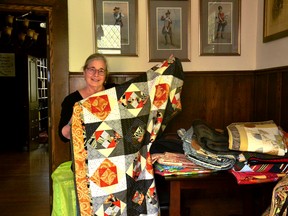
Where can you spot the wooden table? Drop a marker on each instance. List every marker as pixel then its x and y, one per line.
pixel 209 181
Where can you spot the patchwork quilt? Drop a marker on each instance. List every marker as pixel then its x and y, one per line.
pixel 262 137
pixel 112 132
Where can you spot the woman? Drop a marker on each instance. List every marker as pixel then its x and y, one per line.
pixel 95 74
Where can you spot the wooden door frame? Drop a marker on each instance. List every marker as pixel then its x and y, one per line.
pixel 57 44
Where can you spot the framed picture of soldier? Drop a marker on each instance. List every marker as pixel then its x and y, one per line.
pixel 169 29
pixel 220 27
pixel 116 27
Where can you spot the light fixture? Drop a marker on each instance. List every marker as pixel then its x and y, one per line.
pixel 26 22
pixel 43 24
pixel 9 19
pixel 30 33
pixel 35 36
pixel 8 30
pixel 21 36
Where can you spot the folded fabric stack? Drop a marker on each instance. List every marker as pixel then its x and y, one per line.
pixel 262 137
pixel 207 147
pixel 169 163
pixel 263 150
pixel 254 152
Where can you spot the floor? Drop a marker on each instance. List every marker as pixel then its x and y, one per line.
pixel 24 183
pixel 24 189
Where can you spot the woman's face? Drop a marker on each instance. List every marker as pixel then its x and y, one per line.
pixel 95 73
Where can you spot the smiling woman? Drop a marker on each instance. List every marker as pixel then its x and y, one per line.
pixel 95 75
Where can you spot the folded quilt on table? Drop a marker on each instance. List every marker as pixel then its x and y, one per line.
pixel 198 155
pixel 167 142
pixel 112 132
pixel 258 162
pixel 262 137
pixel 211 139
pixel 172 159
pixel 168 170
pixel 169 163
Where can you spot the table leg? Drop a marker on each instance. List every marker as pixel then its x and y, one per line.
pixel 175 198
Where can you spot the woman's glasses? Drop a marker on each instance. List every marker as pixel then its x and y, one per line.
pixel 92 71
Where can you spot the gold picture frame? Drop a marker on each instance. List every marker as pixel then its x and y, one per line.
pixel 275 20
pixel 220 27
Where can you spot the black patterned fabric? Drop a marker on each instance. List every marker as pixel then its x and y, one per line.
pixel 112 132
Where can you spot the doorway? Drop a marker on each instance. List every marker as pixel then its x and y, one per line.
pixel 57 45
pixel 23 43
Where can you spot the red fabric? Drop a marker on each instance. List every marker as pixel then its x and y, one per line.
pixel 256 177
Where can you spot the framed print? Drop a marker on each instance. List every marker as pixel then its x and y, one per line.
pixel 275 20
pixel 220 27
pixel 116 27
pixel 169 29
pixel 7 64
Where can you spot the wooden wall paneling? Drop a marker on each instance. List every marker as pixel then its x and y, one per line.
pixel 218 98
pixel 241 99
pixel 76 81
pixel 274 95
pixel 260 97
pixel 284 99
pixel 121 78
pixel 268 94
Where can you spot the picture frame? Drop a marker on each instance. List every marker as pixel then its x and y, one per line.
pixel 115 26
pixel 220 27
pixel 172 39
pixel 275 20
pixel 7 65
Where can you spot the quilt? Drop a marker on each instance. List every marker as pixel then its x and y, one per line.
pixel 259 162
pixel 198 155
pixel 262 137
pixel 112 132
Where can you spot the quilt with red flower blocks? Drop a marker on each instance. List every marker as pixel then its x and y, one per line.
pixel 112 132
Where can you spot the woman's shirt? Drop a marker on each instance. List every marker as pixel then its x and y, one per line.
pixel 67 111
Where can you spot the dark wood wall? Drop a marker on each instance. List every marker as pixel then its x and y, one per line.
pixel 225 97
pixel 222 98
pixel 271 95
